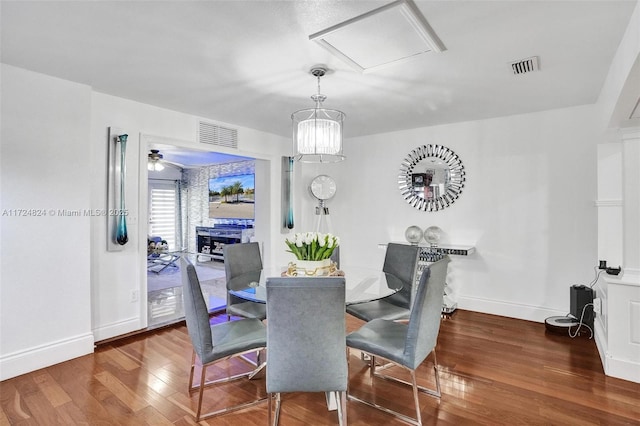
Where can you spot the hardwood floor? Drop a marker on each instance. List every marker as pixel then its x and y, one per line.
pixel 493 371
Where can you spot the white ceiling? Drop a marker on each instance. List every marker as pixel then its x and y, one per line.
pixel 188 158
pixel 246 62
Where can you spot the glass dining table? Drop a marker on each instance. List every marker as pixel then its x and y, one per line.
pixel 361 284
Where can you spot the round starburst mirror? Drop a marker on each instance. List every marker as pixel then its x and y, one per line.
pixel 431 177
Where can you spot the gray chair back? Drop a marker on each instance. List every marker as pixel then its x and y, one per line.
pixel 306 336
pixel 335 256
pixel 424 323
pixel 195 310
pixel 399 266
pixel 242 264
pixel 240 259
pixel 213 343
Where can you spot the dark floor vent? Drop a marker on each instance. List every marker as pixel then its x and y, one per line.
pixel 213 134
pixel 524 66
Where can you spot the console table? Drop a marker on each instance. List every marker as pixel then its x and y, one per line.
pixel 429 254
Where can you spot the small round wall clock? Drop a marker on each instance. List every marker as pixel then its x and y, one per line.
pixel 323 187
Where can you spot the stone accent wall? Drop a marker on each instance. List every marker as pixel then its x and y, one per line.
pixel 195 197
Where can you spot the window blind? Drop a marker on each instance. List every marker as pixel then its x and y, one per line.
pixel 163 212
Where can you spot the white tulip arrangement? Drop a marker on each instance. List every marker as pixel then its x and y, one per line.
pixel 312 245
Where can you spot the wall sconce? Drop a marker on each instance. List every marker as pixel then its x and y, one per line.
pixel 116 208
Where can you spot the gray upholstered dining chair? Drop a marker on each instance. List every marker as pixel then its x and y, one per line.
pixel 407 345
pixel 335 256
pixel 241 259
pixel 399 267
pixel 214 343
pixel 306 339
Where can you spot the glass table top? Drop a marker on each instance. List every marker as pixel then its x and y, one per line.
pixel 361 284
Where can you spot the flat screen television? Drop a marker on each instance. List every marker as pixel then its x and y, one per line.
pixel 232 197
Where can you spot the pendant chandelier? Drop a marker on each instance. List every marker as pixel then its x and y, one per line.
pixel 317 132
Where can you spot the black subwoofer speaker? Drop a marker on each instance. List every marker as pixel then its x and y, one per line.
pixel 580 297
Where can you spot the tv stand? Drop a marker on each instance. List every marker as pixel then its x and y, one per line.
pixel 210 241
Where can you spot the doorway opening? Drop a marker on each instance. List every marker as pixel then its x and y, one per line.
pixel 179 207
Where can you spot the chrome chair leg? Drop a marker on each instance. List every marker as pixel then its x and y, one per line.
pixel 201 393
pixel 193 366
pixel 255 363
pixel 414 387
pixel 372 366
pixel 257 371
pixel 203 384
pixel 436 371
pixel 277 414
pixel 435 393
pixel 416 401
pixel 250 361
pixel 341 397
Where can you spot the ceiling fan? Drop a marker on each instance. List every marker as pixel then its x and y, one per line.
pixel 156 162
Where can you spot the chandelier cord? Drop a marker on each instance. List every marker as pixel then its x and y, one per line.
pixel 318 97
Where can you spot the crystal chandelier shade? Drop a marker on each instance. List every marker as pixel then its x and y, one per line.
pixel 317 132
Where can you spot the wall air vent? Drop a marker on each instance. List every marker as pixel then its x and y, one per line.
pixel 213 134
pixel 524 66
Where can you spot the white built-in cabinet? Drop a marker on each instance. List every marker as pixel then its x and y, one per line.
pixel 617 327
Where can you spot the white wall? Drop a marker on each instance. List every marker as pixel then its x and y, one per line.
pixel 527 207
pixel 617 326
pixel 61 289
pixel 116 274
pixel 45 274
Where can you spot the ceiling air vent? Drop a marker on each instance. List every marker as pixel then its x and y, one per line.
pixel 524 66
pixel 217 135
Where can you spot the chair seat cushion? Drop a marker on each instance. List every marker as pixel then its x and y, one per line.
pixel 248 310
pixel 233 337
pixel 383 338
pixel 378 309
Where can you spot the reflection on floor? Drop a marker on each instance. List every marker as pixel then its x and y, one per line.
pixel 164 298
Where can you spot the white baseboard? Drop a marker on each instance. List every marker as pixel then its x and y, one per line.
pixel 506 309
pixel 622 369
pixel 117 329
pixel 25 361
pixel 612 366
pixel 601 340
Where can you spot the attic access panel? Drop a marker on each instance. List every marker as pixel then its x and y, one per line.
pixel 390 34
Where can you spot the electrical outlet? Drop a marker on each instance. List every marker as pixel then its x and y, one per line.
pixel 134 296
pixel 597 306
